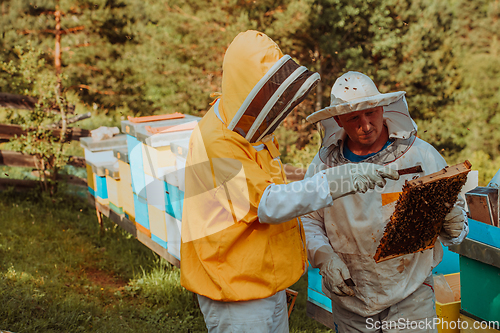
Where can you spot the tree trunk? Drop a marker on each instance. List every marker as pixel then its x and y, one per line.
pixel 57 49
pixel 319 87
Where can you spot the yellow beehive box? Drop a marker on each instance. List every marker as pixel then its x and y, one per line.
pixel 155 159
pixel 174 227
pixel 449 312
pixel 104 202
pixel 157 225
pixel 112 185
pixel 125 190
pixel 90 178
pixel 469 325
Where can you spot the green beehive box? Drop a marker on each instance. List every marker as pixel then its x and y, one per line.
pixel 480 288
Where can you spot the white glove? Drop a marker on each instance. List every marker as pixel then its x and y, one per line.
pixel 357 177
pixel 454 222
pixel 334 271
pixel 103 133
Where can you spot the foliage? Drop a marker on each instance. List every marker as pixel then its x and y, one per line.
pixel 467 128
pixel 30 78
pixel 144 57
pixel 291 154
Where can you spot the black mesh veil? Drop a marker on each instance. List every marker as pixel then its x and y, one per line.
pixel 277 97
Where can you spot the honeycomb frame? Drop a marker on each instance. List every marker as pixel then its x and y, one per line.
pixel 420 211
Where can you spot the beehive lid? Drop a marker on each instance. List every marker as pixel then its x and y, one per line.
pixel 118 141
pixel 98 169
pixel 161 139
pixel 130 127
pixel 121 154
pixel 180 148
pixel 112 170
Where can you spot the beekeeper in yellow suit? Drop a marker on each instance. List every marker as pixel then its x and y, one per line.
pixel 242 241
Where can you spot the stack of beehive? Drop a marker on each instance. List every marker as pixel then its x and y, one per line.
pixel 156 175
pixel 480 260
pixel 139 175
pixel 99 158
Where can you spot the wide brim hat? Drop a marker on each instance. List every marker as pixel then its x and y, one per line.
pixel 352 92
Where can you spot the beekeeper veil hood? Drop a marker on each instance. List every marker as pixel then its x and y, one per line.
pixel 260 85
pixel 355 91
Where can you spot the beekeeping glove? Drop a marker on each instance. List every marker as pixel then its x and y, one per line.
pixel 103 133
pixel 334 271
pixel 357 177
pixel 454 222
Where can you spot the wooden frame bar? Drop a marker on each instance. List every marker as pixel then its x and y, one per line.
pixel 17 159
pixel 320 315
pixel 8 132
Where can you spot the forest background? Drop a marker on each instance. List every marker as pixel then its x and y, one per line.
pixel 144 57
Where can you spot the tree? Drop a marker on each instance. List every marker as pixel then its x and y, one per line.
pixel 95 46
pixel 30 77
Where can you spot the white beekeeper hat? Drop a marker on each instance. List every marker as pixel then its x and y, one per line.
pixel 354 91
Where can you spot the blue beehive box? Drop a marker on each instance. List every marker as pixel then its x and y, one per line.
pixel 314 293
pixel 101 189
pixel 141 215
pixel 484 233
pixel 450 263
pixel 99 154
pixel 175 201
pixel 134 148
pixel 173 235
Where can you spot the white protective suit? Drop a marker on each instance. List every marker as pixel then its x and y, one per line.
pixel 354 224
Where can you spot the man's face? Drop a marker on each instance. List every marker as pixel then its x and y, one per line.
pixel 364 127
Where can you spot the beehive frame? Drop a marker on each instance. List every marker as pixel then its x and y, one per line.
pixel 420 211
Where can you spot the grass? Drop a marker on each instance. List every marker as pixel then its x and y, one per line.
pixel 59 273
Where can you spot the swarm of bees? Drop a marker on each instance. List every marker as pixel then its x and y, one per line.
pixel 420 211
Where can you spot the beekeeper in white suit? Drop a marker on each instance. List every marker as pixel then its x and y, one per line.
pixel 363 125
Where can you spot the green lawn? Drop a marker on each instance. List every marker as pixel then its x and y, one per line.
pixel 59 273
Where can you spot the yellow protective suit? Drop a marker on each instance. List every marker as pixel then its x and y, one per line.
pixel 226 253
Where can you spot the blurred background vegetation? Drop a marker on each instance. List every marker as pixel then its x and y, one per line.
pixel 143 57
